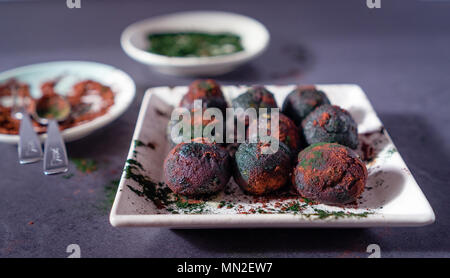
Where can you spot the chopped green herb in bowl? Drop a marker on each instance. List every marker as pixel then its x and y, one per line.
pixel 194 44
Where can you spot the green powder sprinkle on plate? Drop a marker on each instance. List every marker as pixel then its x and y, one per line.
pixel 85 165
pixel 68 176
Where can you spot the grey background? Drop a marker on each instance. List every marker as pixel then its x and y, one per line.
pixel 399 54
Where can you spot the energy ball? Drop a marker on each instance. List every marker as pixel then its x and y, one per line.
pixel 288 132
pixel 196 119
pixel 256 97
pixel 302 101
pixel 330 123
pixel 206 90
pixel 258 173
pixel 329 173
pixel 197 168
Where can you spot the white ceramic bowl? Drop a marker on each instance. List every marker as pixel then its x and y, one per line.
pixel 254 36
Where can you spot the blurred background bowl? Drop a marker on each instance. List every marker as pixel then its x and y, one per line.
pixel 254 38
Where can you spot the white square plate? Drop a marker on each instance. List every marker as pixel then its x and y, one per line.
pixel 391 198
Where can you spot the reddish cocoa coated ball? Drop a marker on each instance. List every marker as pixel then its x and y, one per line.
pixel 206 90
pixel 196 120
pixel 288 132
pixel 329 173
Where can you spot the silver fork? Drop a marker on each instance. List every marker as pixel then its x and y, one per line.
pixel 29 147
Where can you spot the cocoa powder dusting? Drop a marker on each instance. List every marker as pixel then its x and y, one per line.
pixel 82 109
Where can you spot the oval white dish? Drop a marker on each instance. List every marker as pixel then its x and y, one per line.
pixel 254 35
pixel 34 75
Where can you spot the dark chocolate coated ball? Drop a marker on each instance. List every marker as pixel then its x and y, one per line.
pixel 302 101
pixel 197 168
pixel 256 97
pixel 330 123
pixel 258 173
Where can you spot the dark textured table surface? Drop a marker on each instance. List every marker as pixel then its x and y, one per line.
pixel 399 54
